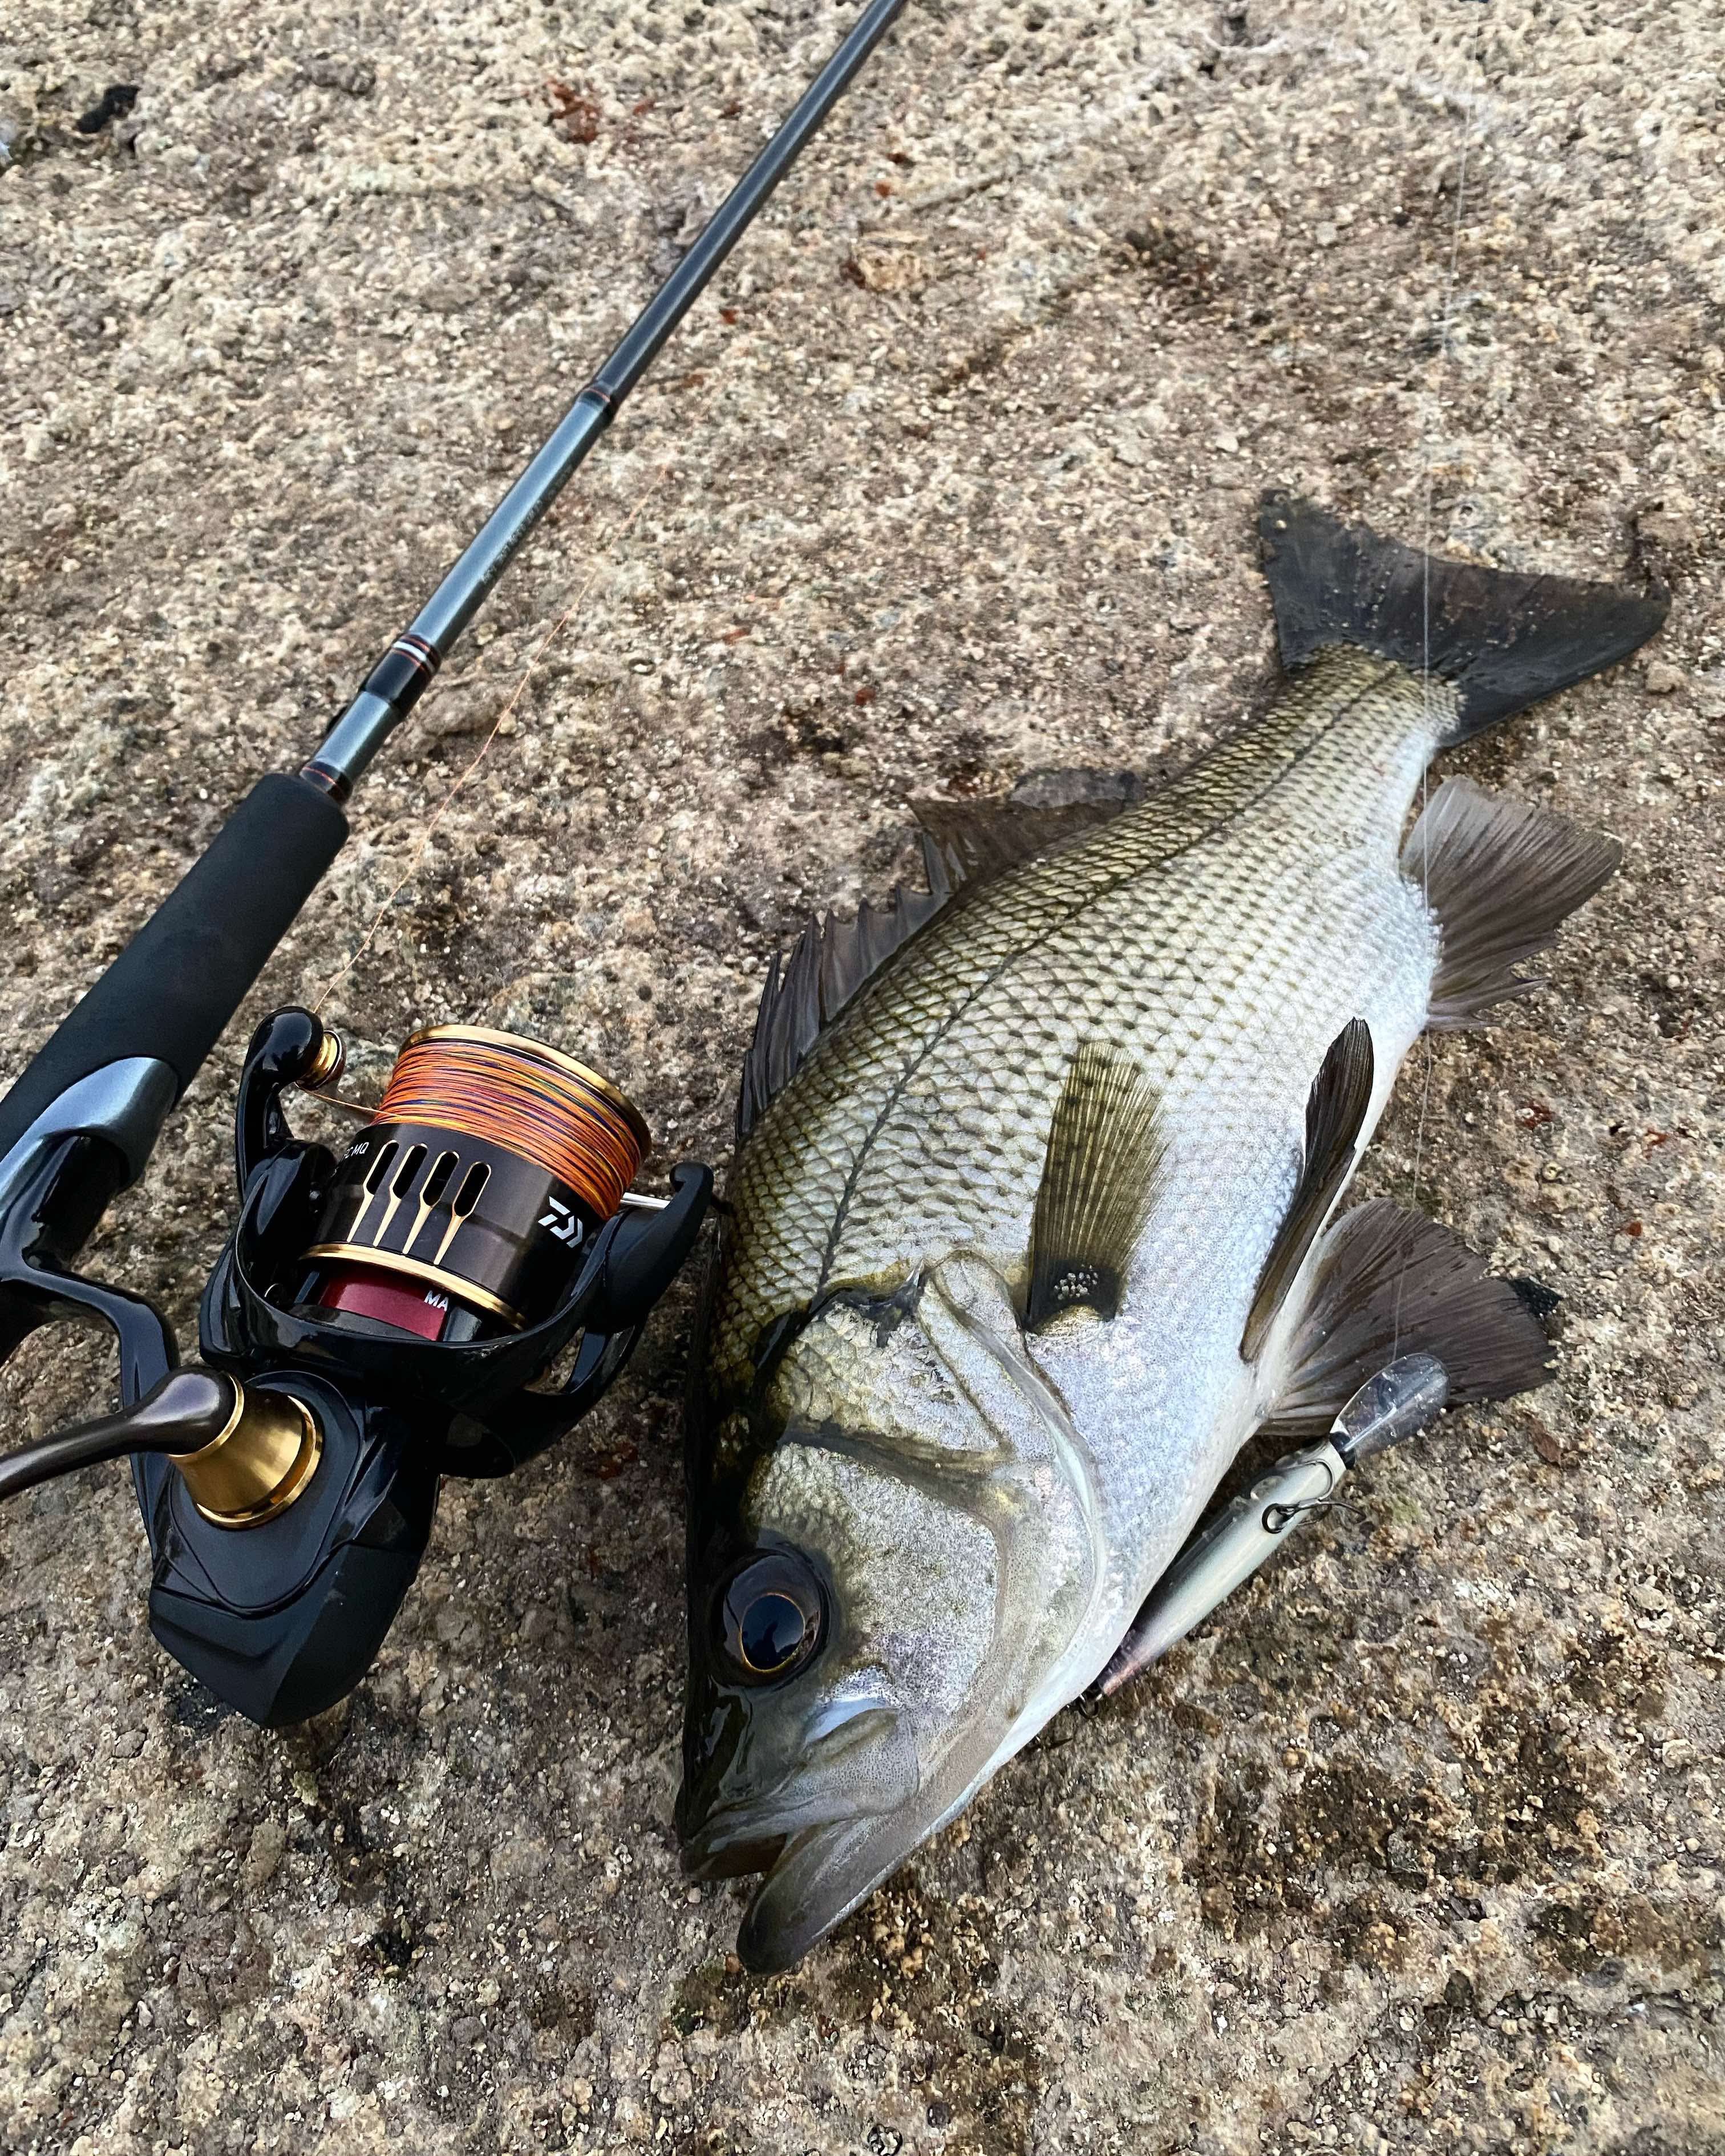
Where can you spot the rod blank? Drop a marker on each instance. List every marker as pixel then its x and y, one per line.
pixel 399 679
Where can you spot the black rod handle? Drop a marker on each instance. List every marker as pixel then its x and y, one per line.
pixel 172 989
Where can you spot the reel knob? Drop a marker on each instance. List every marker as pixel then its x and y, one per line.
pixel 258 1463
pixel 244 1456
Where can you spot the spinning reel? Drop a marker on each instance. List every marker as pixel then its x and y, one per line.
pixel 396 1315
pixel 377 1320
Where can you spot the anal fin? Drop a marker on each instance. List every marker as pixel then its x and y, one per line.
pixel 1099 1176
pixel 1335 1114
pixel 1390 1282
pixel 1500 874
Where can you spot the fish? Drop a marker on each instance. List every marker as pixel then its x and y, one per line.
pixel 1036 1214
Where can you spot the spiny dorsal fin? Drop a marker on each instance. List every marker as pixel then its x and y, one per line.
pixel 1504 639
pixel 1390 1282
pixel 1335 1114
pixel 963 844
pixel 980 839
pixel 828 962
pixel 1099 1176
pixel 1500 874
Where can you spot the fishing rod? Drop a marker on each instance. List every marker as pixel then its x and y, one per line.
pixel 380 1319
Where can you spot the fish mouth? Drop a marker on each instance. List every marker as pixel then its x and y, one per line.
pixel 827 1832
pixel 856 1761
pixel 820 1875
pixel 823 1850
pixel 712 1856
pixel 733 1838
pixel 814 1878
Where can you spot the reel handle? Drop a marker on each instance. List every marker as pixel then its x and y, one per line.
pixel 244 1456
pixel 187 1411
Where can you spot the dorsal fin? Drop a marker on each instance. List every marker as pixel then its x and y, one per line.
pixel 964 844
pixel 827 964
pixel 981 840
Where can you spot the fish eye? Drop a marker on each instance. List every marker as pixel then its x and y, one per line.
pixel 772 1615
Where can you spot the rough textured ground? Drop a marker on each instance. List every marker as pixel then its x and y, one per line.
pixel 1420 1844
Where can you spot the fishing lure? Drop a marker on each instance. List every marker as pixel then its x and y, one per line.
pixel 1402 1399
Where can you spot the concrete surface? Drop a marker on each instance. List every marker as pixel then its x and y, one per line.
pixel 1419 1846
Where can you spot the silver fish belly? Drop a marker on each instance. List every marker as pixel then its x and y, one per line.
pixel 1029 1241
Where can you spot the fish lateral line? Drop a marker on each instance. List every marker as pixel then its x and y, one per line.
pixel 797 1010
pixel 1104 890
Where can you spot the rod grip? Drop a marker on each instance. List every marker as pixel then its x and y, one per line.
pixel 173 988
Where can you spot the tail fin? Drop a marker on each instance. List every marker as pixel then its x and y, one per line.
pixel 1502 639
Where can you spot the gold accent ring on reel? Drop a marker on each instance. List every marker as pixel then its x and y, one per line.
pixel 466 1202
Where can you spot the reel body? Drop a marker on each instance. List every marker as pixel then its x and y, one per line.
pixel 406 1301
pixel 283 1619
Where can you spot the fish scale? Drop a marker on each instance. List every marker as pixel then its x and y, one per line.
pixel 902 1138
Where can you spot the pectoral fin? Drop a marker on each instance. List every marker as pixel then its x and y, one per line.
pixel 1390 1282
pixel 1335 1114
pixel 1105 1155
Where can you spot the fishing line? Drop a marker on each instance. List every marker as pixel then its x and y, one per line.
pixel 446 803
pixel 1429 427
pixel 1277 1518
pixel 526 1098
pixel 1102 124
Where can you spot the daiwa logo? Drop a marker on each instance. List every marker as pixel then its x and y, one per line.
pixel 564 1226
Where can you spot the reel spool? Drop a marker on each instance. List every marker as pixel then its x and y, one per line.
pixel 465 1205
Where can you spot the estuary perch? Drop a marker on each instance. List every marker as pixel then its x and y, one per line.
pixel 1032 1226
